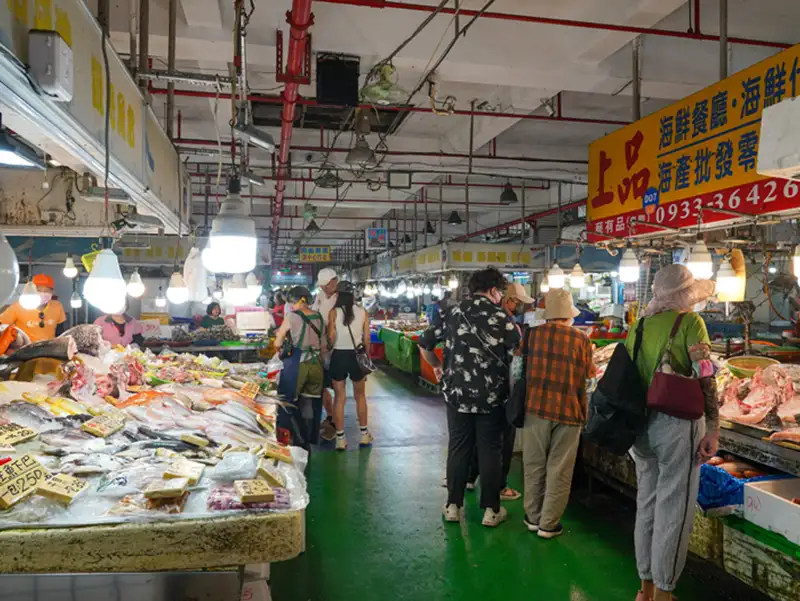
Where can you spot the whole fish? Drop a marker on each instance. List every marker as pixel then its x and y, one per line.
pixel 28 415
pixel 63 348
pixel 88 338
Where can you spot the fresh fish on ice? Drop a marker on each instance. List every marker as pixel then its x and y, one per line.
pixel 63 348
pixel 88 338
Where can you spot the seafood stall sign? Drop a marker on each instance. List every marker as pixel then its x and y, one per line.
pixel 699 153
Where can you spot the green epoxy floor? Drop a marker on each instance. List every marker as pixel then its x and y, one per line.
pixel 375 531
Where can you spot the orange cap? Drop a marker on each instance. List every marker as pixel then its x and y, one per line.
pixel 41 279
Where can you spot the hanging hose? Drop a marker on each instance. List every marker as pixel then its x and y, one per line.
pixel 769 294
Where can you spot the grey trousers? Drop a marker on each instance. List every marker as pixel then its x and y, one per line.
pixel 668 478
pixel 549 450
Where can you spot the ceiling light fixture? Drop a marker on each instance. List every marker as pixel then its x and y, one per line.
pixel 312 227
pixel 254 179
pixel 454 219
pixel 250 134
pixel 29 299
pixel 237 293
pixel 727 280
pixel 135 287
pixel 177 292
pixel 75 301
pixel 161 301
pixel 15 154
pixel 232 242
pixel 453 283
pixel 508 196
pixel 577 278
pixel 699 261
pixel 544 287
pixel 105 287
pixel 361 155
pixel 9 270
pixel 429 227
pixel 556 278
pixel 253 287
pixel 69 270
pixel 629 267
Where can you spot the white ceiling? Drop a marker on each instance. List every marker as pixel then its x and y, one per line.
pixel 511 66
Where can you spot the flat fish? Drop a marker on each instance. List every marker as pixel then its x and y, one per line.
pixel 28 415
pixel 63 348
pixel 88 338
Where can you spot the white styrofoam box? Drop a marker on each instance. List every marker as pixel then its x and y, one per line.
pixel 769 504
pixel 51 64
pixel 778 150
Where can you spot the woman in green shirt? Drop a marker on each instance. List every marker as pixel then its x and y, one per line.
pixel 212 317
pixel 669 453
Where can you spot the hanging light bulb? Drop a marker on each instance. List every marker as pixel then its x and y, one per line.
pixel 232 244
pixel 161 300
pixel 9 270
pixel 69 270
pixel 544 287
pixel 105 286
pixel 401 288
pixel 135 285
pixel 237 293
pixel 253 287
pixel 426 289
pixel 453 283
pixel 727 280
pixel 577 279
pixel 556 277
pixel 75 301
pixel 699 261
pixel 177 292
pixel 217 294
pixel 629 267
pixel 29 299
pixel 796 261
pixel 436 290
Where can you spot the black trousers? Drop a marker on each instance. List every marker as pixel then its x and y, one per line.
pixel 302 420
pixel 509 436
pixel 471 432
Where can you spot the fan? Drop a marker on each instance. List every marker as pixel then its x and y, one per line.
pixel 328 178
pixel 385 90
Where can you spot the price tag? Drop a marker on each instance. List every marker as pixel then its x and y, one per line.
pixel 184 468
pixel 102 425
pixel 62 487
pixel 166 488
pixel 250 390
pixel 276 451
pixel 268 470
pixel 11 434
pixel 19 479
pixel 254 491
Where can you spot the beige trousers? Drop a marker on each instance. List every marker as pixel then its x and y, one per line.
pixel 549 450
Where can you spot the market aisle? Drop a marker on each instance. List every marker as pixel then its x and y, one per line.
pixel 375 529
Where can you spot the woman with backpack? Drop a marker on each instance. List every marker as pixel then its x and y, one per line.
pixel 302 374
pixel 348 334
pixel 682 429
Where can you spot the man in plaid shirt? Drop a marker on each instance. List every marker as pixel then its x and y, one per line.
pixel 558 363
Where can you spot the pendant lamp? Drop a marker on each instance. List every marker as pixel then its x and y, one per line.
pixel 556 278
pixel 75 301
pixel 699 261
pixel 237 293
pixel 135 287
pixel 629 267
pixel 253 287
pixel 508 196
pixel 161 301
pixel 577 279
pixel 29 299
pixel 232 242
pixel 544 287
pixel 453 283
pixel 69 270
pixel 105 287
pixel 177 292
pixel 454 219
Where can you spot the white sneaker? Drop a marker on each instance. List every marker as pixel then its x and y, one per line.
pixel 492 518
pixel 341 443
pixel 452 513
pixel 366 439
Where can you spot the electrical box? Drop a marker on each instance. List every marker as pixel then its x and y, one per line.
pixel 51 64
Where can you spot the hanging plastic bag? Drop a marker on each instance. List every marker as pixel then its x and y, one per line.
pixel 274 368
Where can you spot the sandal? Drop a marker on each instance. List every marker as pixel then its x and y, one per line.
pixel 509 494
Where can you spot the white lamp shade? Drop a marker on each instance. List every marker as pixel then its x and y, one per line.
pixel 177 292
pixel 70 270
pixel 233 237
pixel 105 287
pixel 453 283
pixel 730 285
pixel 699 261
pixel 629 267
pixel 577 279
pixel 236 293
pixel 161 301
pixel 75 301
pixel 9 270
pixel 135 286
pixel 253 287
pixel 29 299
pixel 556 277
pixel 544 287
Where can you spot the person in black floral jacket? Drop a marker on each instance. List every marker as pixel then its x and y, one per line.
pixel 479 341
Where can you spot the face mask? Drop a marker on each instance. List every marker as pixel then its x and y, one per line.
pixel 45 297
pixel 700 306
pixel 520 310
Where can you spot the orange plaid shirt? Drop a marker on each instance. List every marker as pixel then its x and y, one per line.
pixel 558 365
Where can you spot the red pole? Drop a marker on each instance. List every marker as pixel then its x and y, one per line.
pixel 561 22
pixel 179 123
pixel 299 19
pixel 697 29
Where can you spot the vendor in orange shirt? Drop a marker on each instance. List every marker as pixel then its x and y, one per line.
pixel 39 323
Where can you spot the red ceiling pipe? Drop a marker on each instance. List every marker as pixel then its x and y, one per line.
pixel 299 19
pixel 263 99
pixel 530 218
pixel 399 153
pixel 446 184
pixel 562 22
pixel 368 201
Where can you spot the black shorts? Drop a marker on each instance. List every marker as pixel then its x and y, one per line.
pixel 343 365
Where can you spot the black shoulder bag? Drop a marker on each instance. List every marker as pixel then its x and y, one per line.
pixel 364 362
pixel 618 408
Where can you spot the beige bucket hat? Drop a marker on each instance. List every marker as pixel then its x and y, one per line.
pixel 558 305
pixel 676 289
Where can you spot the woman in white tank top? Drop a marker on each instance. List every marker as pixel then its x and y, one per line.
pixel 348 331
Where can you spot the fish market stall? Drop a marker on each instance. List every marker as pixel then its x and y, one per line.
pixel 400 344
pixel 117 460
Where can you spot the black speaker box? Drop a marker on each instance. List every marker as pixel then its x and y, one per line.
pixel 337 79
